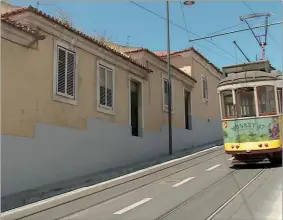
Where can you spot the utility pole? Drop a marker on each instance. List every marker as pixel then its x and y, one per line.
pixel 188 3
pixel 169 79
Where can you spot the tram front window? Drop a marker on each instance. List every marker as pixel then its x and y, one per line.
pixel 266 100
pixel 228 110
pixel 245 102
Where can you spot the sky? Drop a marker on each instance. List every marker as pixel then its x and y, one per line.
pixel 127 23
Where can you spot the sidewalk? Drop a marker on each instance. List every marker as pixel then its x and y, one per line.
pixel 31 196
pixel 276 209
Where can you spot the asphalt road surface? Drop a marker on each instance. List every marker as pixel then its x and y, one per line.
pixel 206 188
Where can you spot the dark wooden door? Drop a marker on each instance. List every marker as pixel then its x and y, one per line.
pixel 134 109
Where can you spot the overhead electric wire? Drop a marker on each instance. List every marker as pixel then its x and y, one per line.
pixel 236 31
pixel 186 26
pixel 224 29
pixel 271 36
pixel 247 6
pixel 183 13
pixel 152 12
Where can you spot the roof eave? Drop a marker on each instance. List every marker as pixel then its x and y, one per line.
pixel 24 28
pixel 153 54
pixel 75 31
pixel 194 50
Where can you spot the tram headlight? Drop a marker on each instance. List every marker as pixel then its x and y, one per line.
pixel 237 146
pixel 266 144
pixel 260 145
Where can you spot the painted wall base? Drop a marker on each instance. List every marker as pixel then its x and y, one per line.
pixel 59 153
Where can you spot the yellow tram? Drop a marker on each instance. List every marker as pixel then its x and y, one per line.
pixel 251 107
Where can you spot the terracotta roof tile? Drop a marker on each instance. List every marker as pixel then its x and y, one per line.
pixel 135 50
pixel 22 27
pixel 162 52
pixel 75 31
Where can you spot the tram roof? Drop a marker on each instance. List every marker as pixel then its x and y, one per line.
pixel 249 76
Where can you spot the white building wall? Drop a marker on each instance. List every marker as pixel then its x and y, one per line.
pixel 60 153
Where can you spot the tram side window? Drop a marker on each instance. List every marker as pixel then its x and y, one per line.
pixel 245 102
pixel 266 100
pixel 279 97
pixel 228 110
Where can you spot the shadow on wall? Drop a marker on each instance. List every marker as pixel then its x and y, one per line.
pixel 30 196
pixel 60 153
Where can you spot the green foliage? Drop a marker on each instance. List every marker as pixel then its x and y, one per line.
pixel 250 137
pixel 225 134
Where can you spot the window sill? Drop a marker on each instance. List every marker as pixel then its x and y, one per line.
pixel 267 114
pixel 63 99
pixel 165 109
pixel 105 110
pixel 229 117
pixel 205 101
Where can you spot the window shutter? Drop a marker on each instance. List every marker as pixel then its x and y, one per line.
pixel 203 88
pixel 61 71
pixel 206 90
pixel 166 92
pixel 102 80
pixel 70 74
pixel 109 87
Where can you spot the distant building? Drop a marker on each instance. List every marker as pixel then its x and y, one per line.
pixel 205 103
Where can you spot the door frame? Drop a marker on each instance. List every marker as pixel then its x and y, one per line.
pixel 141 102
pixel 191 101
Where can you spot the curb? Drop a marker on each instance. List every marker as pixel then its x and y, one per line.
pixel 80 199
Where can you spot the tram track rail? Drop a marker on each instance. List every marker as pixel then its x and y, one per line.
pixel 159 179
pixel 207 189
pixel 180 170
pixel 67 207
pixel 235 195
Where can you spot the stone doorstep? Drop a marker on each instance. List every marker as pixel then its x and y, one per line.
pixel 47 191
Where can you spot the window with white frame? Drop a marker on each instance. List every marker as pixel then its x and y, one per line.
pixel 66 72
pixel 106 81
pixel 227 104
pixel 166 93
pixel 245 102
pixel 204 88
pixel 266 100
